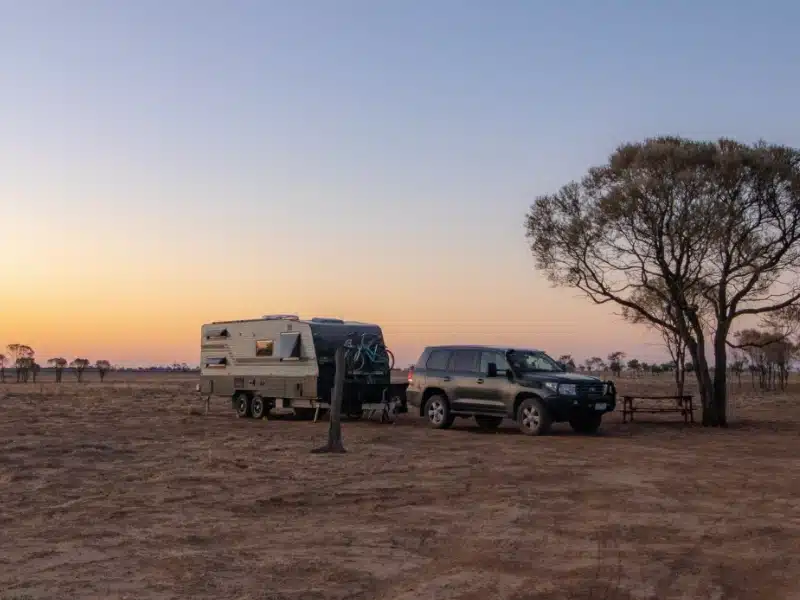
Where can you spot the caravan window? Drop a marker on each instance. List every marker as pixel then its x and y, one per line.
pixel 216 362
pixel 264 347
pixel 216 334
pixel 289 345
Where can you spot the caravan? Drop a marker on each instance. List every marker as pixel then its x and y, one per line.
pixel 284 362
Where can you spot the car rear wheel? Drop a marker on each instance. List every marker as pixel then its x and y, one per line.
pixel 242 405
pixel 533 418
pixel 437 411
pixel 488 423
pixel 589 423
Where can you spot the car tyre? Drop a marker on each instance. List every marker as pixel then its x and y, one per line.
pixel 586 424
pixel 437 412
pixel 486 423
pixel 533 418
pixel 243 405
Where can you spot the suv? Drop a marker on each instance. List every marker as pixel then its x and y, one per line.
pixel 492 383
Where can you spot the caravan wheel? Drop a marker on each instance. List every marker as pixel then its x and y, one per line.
pixel 242 401
pixel 258 407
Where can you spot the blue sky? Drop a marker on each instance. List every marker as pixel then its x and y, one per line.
pixel 403 138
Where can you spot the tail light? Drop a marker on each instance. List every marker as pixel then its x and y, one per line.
pixel 410 374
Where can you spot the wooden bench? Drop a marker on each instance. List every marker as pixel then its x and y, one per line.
pixel 682 405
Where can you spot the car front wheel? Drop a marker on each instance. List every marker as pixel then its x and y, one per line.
pixel 533 418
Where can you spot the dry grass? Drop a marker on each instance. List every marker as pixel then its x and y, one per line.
pixel 124 491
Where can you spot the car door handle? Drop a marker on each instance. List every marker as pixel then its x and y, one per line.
pixel 480 379
pixel 447 378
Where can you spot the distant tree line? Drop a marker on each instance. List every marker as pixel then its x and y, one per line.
pixel 767 354
pixel 21 358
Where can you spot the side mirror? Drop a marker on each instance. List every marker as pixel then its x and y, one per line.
pixel 510 374
pixel 492 370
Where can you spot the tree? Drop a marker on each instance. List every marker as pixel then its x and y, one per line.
pixel 102 368
pixel 634 366
pixel 568 361
pixel 615 362
pixel 35 368
pixel 79 365
pixel 3 368
pixel 23 367
pixel 58 364
pixel 737 366
pixel 718 222
pixel 769 354
pixel 22 359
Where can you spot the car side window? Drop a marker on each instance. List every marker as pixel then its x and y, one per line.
pixel 464 361
pixel 495 357
pixel 438 359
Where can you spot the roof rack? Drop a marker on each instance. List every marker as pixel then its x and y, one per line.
pixel 280 317
pixel 326 320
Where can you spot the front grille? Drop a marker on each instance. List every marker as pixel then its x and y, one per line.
pixel 590 389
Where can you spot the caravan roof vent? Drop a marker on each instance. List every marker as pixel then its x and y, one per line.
pixel 325 320
pixel 281 318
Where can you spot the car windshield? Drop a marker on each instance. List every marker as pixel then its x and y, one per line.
pixel 525 361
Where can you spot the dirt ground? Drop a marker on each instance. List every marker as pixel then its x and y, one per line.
pixel 125 490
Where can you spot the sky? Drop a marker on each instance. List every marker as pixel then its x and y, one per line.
pixel 166 163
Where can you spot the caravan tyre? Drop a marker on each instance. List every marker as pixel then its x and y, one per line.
pixel 242 401
pixel 258 407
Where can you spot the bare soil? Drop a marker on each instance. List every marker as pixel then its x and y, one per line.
pixel 126 490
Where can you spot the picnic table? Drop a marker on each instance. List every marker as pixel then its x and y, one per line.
pixel 656 404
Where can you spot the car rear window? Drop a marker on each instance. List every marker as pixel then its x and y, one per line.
pixel 437 360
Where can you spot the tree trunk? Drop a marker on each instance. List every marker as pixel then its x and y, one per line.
pixel 335 443
pixel 102 376
pixel 704 384
pixel 720 396
pixel 58 375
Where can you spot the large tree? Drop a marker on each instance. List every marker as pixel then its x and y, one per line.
pixel 712 229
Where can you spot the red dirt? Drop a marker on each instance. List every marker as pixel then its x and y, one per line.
pixel 124 490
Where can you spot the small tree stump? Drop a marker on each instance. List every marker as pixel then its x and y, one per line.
pixel 335 444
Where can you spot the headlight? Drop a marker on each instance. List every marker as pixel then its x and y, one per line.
pixel 552 386
pixel 567 389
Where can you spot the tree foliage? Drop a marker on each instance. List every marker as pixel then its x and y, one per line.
pixel 710 230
